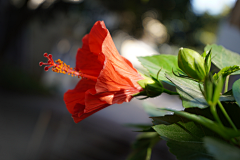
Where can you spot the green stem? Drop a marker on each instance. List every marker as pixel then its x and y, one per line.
pixel 226 84
pixel 215 115
pixel 170 92
pixel 226 115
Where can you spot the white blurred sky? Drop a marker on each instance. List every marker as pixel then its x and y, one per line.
pixel 213 7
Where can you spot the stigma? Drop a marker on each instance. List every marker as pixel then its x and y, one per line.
pixel 60 67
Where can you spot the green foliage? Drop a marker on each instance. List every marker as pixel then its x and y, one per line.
pixel 225 132
pixel 190 92
pixel 199 131
pixel 141 127
pixel 221 150
pixel 184 137
pixel 142 147
pixel 184 133
pixel 189 150
pixel 165 63
pixel 212 89
pixel 207 59
pixel 152 87
pixel 222 57
pixel 171 118
pixel 226 71
pixel 236 91
pixel 153 111
pixel 192 63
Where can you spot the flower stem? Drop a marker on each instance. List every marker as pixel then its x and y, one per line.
pixel 170 92
pixel 226 84
pixel 215 115
pixel 226 115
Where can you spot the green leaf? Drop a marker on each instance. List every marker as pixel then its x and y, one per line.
pixel 173 118
pixel 236 91
pixel 183 136
pixel 166 63
pixel 167 120
pixel 204 54
pixel 184 140
pixel 152 110
pixel 142 147
pixel 190 92
pixel 226 71
pixel 218 86
pixel 227 98
pixel 223 57
pixel 228 93
pixel 225 132
pixel 189 150
pixel 180 131
pixel 221 150
pixel 207 59
pixel 141 127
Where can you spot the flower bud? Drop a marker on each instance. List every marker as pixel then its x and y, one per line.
pixel 192 63
pixel 151 87
pixel 212 89
pixel 207 58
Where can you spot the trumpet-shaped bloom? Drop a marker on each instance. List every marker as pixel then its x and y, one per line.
pixel 107 77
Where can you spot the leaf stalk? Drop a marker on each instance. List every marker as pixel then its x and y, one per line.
pixel 215 115
pixel 226 115
pixel 226 84
pixel 170 92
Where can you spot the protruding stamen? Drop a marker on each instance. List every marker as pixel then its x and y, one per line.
pixel 46 68
pixel 61 67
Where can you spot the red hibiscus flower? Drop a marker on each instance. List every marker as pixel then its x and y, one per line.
pixel 107 77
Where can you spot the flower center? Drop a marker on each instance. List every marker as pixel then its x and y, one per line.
pixel 61 67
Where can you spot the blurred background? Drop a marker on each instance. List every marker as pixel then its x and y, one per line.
pixel 34 122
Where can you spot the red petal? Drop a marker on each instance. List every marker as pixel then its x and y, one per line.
pixel 78 118
pixel 77 96
pixel 100 41
pixel 121 65
pixel 129 73
pixel 112 78
pixel 118 73
pixel 130 65
pixel 97 36
pixel 86 61
pixel 123 96
pixel 95 101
